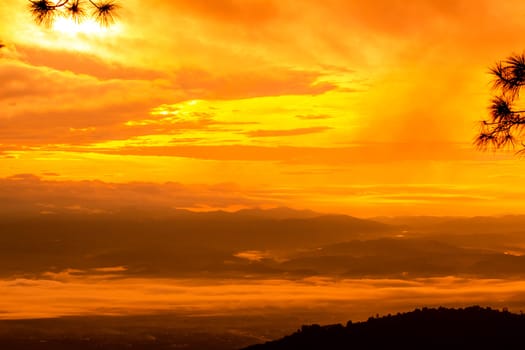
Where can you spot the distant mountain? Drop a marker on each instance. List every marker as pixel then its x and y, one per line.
pixel 160 212
pixel 470 328
pixel 403 258
pixel 413 222
pixel 249 243
pixel 185 243
pixel 498 233
pixel 484 224
pixel 464 225
pixel 279 213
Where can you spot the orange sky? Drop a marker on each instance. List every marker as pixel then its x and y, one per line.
pixel 365 108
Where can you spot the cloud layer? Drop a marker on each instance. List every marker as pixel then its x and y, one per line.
pixel 354 299
pixel 341 92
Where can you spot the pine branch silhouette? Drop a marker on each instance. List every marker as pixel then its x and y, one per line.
pixel 504 128
pixel 45 12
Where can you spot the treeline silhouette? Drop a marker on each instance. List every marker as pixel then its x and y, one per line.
pixel 442 328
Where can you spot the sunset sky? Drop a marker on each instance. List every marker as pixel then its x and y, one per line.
pixel 358 107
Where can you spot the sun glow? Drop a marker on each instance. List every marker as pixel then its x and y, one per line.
pixel 88 26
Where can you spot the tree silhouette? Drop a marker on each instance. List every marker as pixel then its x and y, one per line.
pixel 505 126
pixel 44 11
pixel 473 327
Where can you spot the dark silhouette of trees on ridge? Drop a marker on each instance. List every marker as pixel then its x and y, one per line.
pixel 45 11
pixel 504 129
pixel 473 327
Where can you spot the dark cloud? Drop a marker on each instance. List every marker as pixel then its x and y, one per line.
pixel 29 193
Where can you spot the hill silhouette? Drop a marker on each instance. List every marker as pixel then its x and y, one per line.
pixel 468 328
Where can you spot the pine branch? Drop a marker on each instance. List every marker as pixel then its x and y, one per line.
pixel 506 125
pixel 44 11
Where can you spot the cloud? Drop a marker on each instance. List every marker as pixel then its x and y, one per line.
pixel 287 132
pixel 344 155
pixel 41 96
pixel 313 116
pixel 393 18
pixel 74 294
pixel 84 64
pixel 423 64
pixel 29 194
pixel 226 11
pixel 75 108
pixel 252 255
pixel 348 191
pixel 249 84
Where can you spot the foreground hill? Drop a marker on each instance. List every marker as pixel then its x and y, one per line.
pixel 469 328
